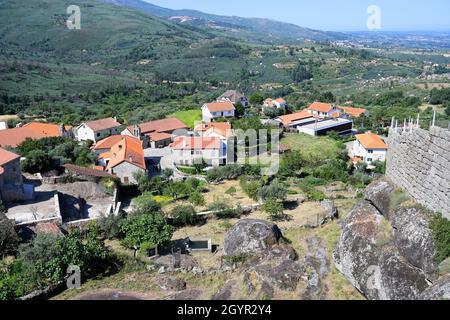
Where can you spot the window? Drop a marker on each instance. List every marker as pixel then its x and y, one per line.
pixel 370 151
pixel 98 134
pixel 369 159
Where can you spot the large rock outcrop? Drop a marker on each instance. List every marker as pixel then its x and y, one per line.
pixel 387 252
pixel 251 237
pixel 272 266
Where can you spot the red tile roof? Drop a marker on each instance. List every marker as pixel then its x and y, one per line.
pixel 86 171
pixel 371 141
pixel 47 129
pixel 7 157
pixel 163 125
pixel 16 136
pixel 127 150
pixel 159 136
pixel 221 128
pixel 192 143
pixel 280 100
pixel 289 118
pixel 109 142
pixel 321 107
pixel 102 124
pixel 220 106
pixel 353 112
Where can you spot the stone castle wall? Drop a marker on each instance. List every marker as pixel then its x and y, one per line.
pixel 419 162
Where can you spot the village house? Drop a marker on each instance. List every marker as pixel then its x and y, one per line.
pixel 34 130
pixel 221 130
pixel 290 122
pixel 352 112
pixel 97 130
pixel 187 151
pixel 279 103
pixel 217 110
pixel 367 148
pixel 122 156
pixel 3 125
pixel 323 110
pixel 234 97
pixel 158 133
pixel 11 181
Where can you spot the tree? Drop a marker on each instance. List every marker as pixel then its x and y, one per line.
pixel 37 161
pixel 9 240
pixel 273 207
pixel 300 74
pixel 177 189
pixel 200 165
pixel 256 99
pixel 184 215
pixel 143 181
pixel 145 228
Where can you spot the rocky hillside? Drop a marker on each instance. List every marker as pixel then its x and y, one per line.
pixel 387 249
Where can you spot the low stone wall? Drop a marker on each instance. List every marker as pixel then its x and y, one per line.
pixel 418 161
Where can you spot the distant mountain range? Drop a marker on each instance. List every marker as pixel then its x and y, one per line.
pixel 263 30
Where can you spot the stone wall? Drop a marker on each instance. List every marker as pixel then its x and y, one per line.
pixel 418 161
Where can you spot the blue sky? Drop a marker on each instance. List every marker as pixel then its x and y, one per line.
pixel 334 15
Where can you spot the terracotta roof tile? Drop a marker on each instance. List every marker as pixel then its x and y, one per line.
pixel 159 136
pixel 47 129
pixel 127 150
pixel 110 141
pixel 353 112
pixel 220 106
pixel 162 125
pixel 192 143
pixel 16 136
pixel 6 156
pixel 102 124
pixel 371 141
pixel 289 118
pixel 86 171
pixel 321 107
pixel 221 128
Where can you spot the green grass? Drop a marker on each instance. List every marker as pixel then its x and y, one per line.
pixel 188 117
pixel 313 148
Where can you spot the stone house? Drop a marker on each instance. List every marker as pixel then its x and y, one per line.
pixel 11 181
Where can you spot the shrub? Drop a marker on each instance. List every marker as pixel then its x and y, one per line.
pixel 229 172
pixel 110 184
pixel 145 204
pixel 231 190
pixel 109 226
pixel 197 199
pixel 441 231
pixel 275 190
pixel 251 186
pixel 273 208
pixel 223 210
pixel 184 215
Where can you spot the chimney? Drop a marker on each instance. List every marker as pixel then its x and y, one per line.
pixel 115 118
